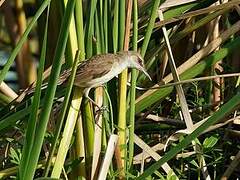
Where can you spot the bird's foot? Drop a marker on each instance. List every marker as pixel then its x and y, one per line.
pixel 99 112
pixel 99 109
pixel 102 109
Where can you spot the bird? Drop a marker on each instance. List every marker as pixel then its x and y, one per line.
pixel 101 68
pixel 98 70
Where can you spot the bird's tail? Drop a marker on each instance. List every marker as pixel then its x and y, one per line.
pixel 31 89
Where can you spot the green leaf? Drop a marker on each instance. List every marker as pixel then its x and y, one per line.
pixel 194 163
pixel 209 142
pixel 15 155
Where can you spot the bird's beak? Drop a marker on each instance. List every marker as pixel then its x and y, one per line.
pixel 143 69
pixel 146 73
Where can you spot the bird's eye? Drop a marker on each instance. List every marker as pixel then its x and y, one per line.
pixel 140 62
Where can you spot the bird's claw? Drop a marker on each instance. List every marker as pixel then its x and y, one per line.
pixel 102 109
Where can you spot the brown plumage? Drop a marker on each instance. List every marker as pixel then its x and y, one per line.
pixel 90 69
pixel 101 68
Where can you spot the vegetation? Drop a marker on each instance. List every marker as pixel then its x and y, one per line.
pixel 181 125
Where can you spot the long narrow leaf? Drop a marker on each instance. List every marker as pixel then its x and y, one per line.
pixel 32 122
pixel 48 99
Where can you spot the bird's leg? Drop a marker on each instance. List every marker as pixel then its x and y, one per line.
pixel 86 94
pixel 103 108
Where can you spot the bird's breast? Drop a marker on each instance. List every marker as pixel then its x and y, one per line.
pixel 100 79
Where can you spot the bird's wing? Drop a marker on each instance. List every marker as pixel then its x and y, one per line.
pixel 94 68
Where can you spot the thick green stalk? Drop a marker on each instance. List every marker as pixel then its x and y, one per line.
pixel 59 162
pixel 90 29
pixel 72 45
pixel 150 27
pixel 97 34
pixel 79 26
pixel 88 127
pixel 62 113
pixel 133 86
pixel 122 17
pixel 79 144
pixel 122 88
pixel 113 41
pixel 101 27
pixel 105 25
pixel 87 115
pixel 115 26
pixel 67 134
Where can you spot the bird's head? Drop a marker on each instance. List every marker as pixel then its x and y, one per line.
pixel 136 61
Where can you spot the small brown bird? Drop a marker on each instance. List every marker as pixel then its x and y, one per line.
pixel 98 70
pixel 101 68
